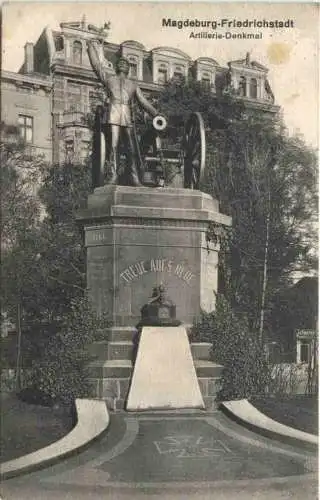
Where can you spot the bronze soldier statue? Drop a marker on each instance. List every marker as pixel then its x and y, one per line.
pixel 122 92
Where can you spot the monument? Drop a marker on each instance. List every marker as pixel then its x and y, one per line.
pixel 122 92
pixel 144 234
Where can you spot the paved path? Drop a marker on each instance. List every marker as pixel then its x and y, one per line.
pixel 171 456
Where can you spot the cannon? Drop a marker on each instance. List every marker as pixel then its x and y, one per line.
pixel 189 159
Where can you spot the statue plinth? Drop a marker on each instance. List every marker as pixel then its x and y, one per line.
pixel 138 237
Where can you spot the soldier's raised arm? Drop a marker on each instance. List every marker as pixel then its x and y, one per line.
pixel 146 105
pixel 96 57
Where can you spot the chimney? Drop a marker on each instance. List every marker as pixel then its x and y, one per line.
pixel 28 58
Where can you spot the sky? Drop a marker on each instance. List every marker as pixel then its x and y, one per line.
pixel 290 54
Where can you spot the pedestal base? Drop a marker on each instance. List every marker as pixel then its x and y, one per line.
pixel 112 371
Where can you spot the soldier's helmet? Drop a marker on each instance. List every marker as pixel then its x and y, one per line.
pixel 123 65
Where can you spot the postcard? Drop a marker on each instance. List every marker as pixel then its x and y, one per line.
pixel 159 244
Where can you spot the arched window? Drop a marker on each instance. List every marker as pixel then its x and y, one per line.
pixel 133 67
pixel 77 52
pixel 163 73
pixel 253 88
pixel 242 86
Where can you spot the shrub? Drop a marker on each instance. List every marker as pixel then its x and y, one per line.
pixel 246 372
pixel 62 373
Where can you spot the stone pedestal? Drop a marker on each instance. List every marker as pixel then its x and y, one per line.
pixel 136 239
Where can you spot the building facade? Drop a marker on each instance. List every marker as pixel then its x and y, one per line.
pixel 49 99
pixel 26 105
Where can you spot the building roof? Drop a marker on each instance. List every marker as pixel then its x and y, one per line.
pixel 134 44
pixel 246 62
pixel 171 51
pixel 207 60
pixel 31 79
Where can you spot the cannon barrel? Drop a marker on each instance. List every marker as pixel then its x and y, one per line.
pixel 159 123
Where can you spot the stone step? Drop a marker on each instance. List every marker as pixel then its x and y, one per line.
pixel 115 391
pixel 104 350
pixel 122 368
pixel 118 404
pixel 114 368
pixel 119 387
pixel 206 368
pixel 201 350
pixel 121 333
pixel 120 350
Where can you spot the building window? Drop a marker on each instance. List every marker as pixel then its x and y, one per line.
pixel 74 101
pixel 242 86
pixel 178 73
pixel 305 353
pixel 58 42
pixel 25 124
pixel 96 97
pixel 253 88
pixel 77 53
pixel 105 50
pixel 206 79
pixel 133 68
pixel 69 150
pixel 162 74
pixel 85 150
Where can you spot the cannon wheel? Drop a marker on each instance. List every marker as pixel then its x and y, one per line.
pixel 98 150
pixel 194 145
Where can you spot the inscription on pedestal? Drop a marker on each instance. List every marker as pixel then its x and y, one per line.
pixel 138 269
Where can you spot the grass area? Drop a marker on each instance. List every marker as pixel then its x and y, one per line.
pixel 27 427
pixel 299 411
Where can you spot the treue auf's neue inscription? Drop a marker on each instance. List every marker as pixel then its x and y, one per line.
pixel 138 269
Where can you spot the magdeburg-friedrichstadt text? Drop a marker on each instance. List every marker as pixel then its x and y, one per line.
pixel 226 23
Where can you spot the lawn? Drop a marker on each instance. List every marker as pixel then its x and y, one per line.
pixel 28 427
pixel 300 411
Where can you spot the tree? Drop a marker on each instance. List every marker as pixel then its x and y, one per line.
pixel 266 181
pixel 20 216
pixel 44 266
pixel 61 264
pixel 20 207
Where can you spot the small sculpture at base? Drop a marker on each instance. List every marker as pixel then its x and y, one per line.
pixel 160 310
